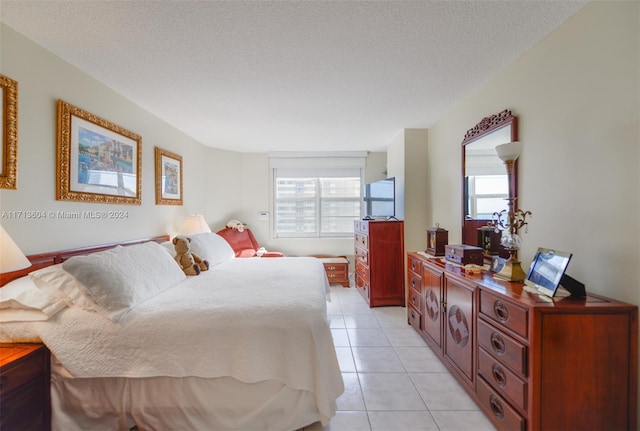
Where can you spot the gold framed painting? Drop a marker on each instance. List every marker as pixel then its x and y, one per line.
pixel 168 178
pixel 9 133
pixel 98 161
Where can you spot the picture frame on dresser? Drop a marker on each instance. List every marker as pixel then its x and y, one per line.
pixel 97 160
pixel 9 133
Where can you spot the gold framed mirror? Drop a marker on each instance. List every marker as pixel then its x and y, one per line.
pixel 484 176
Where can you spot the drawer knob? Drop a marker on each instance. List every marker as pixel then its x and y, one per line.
pixel 496 406
pixel 497 343
pixel 498 375
pixel 4 381
pixel 501 311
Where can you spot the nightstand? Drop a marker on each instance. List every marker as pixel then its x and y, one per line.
pixel 25 402
pixel 336 267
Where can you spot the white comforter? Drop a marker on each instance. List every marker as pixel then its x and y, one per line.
pixel 251 319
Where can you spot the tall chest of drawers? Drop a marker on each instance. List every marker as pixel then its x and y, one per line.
pixel 534 364
pixel 379 261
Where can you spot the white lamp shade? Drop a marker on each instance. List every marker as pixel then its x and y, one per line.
pixel 509 151
pixel 194 224
pixel 11 257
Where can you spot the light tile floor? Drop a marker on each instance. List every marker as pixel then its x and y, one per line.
pixel 393 380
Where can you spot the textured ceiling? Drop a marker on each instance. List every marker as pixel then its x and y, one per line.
pixel 291 75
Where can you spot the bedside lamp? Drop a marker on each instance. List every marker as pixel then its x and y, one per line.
pixel 511 220
pixel 11 257
pixel 194 224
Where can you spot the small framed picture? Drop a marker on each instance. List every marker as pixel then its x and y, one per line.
pixel 168 178
pixel 98 161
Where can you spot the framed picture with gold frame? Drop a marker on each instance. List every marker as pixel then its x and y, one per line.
pixel 98 161
pixel 9 133
pixel 168 178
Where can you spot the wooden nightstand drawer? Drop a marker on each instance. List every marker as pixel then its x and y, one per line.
pixel 337 269
pixel 19 364
pixel 24 387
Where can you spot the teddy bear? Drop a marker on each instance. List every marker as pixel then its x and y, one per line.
pixel 190 263
pixel 236 225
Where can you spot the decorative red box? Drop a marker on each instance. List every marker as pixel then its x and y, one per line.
pixel 464 254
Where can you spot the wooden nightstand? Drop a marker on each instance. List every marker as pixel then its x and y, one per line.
pixel 25 402
pixel 336 267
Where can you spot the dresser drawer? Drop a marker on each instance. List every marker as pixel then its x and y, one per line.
pixel 362 240
pixel 502 379
pixel 361 255
pixel 414 318
pixel 413 298
pixel 414 280
pixel 361 226
pixel 503 347
pixel 414 265
pixel 19 373
pixel 498 408
pixel 362 271
pixel 362 285
pixel 504 312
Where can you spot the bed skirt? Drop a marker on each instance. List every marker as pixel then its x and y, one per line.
pixel 168 403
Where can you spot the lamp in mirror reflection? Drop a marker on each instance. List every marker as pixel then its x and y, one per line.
pixel 11 257
pixel 511 220
pixel 194 224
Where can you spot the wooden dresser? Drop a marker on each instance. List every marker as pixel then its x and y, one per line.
pixel 24 387
pixel 530 364
pixel 379 261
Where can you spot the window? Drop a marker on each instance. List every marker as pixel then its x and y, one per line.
pixel 486 194
pixel 316 206
pixel 320 200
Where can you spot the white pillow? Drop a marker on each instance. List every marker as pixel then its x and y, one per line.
pixel 168 245
pixel 21 300
pixel 120 278
pixel 211 247
pixel 55 279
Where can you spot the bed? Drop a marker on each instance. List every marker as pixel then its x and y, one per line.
pixel 243 346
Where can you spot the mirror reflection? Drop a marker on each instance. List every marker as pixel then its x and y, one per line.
pixel 486 184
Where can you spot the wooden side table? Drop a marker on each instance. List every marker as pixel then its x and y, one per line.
pixel 25 381
pixel 336 267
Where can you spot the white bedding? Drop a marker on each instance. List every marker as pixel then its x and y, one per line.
pixel 250 319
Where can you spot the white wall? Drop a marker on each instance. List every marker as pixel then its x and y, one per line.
pixel 407 161
pixel 43 79
pixel 576 95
